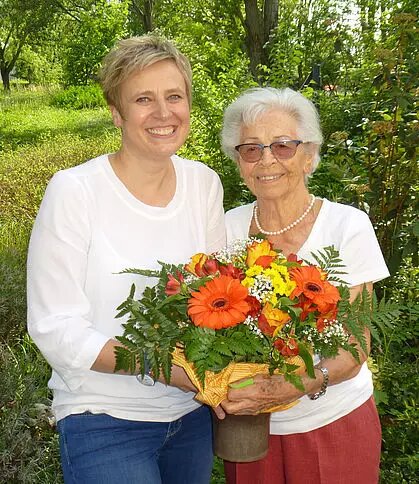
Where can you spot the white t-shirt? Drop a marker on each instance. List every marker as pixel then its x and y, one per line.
pixel 350 231
pixel 89 228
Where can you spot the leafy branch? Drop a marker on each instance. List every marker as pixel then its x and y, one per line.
pixel 152 333
pixel 366 312
pixel 329 261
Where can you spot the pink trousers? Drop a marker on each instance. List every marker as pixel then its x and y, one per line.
pixel 344 452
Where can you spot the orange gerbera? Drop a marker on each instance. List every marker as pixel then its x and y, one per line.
pixel 261 254
pixel 220 303
pixel 310 282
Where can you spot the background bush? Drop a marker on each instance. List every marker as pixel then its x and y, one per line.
pixel 79 97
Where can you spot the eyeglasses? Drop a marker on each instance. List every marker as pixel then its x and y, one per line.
pixel 281 150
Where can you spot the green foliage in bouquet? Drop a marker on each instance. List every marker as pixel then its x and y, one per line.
pixel 247 303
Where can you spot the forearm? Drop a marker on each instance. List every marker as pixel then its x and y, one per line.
pixel 341 368
pixel 106 360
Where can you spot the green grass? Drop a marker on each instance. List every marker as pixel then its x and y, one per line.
pixel 37 140
pixel 28 442
pixel 26 123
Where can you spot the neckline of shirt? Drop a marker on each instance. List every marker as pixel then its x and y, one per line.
pixel 314 229
pixel 137 205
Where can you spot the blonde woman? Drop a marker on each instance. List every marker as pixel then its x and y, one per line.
pixel 126 209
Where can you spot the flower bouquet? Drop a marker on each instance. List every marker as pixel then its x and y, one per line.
pixel 241 311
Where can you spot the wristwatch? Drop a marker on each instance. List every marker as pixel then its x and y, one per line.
pixel 146 379
pixel 323 388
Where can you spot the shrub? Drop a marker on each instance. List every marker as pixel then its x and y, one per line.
pixel 79 97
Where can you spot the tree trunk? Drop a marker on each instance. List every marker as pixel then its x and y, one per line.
pixel 259 23
pixel 5 77
pixel 148 19
pixel 143 10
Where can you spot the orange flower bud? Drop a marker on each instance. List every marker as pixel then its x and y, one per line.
pixel 260 253
pixel 196 263
pixel 276 318
pixel 287 348
pixel 173 285
pixel 210 267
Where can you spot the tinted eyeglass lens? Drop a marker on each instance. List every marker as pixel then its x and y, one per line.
pixel 250 153
pixel 283 150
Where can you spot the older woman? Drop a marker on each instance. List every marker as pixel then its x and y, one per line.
pixel 126 209
pixel 333 434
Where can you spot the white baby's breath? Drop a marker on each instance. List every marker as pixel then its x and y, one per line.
pixel 252 323
pixel 235 250
pixel 262 288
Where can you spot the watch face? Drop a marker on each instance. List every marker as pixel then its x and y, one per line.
pixel 146 380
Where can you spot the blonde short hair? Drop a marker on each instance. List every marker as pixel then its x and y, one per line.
pixel 134 54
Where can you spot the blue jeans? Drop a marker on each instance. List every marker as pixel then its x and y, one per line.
pixel 100 449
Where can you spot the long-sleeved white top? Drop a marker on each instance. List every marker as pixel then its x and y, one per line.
pixel 89 228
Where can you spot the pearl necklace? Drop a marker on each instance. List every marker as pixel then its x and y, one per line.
pixel 288 227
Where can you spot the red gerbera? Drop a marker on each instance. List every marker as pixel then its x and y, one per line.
pixel 327 317
pixel 220 303
pixel 307 307
pixel 254 306
pixel 230 270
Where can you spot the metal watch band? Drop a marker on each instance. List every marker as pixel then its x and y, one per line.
pixel 323 388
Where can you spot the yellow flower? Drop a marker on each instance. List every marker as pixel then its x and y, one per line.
pixel 280 268
pixel 280 279
pixel 289 287
pixel 254 271
pixel 248 282
pixel 196 263
pixel 276 318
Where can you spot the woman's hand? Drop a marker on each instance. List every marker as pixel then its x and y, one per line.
pixel 266 392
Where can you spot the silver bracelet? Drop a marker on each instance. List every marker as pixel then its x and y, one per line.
pixel 323 388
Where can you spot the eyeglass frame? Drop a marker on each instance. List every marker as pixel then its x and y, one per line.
pixel 262 146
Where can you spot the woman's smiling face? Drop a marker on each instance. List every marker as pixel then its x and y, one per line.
pixel 270 178
pixel 154 112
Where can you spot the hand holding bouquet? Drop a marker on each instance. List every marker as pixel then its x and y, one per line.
pixel 241 311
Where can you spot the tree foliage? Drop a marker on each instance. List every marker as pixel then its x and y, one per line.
pixel 90 37
pixel 22 22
